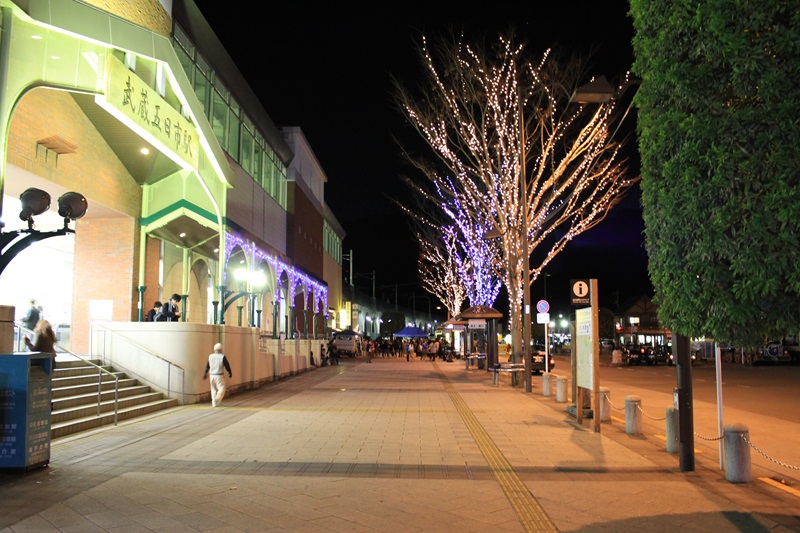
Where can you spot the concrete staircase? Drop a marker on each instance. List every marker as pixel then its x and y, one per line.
pixel 75 395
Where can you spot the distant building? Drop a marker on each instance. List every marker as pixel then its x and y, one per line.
pixel 637 323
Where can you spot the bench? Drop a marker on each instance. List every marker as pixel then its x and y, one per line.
pixel 511 368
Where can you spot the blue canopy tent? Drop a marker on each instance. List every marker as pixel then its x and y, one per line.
pixel 410 331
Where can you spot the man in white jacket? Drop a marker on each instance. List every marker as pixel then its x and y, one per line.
pixel 217 364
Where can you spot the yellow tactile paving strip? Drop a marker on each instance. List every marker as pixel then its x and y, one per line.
pixel 531 514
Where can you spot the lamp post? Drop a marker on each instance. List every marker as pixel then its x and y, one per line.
pixel 71 206
pixel 247 281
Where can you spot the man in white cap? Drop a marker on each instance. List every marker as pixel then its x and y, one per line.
pixel 217 364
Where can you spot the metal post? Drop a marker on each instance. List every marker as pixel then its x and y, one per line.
pixel 685 402
pixel 141 290
pixel 718 359
pixel 221 290
pixel 275 305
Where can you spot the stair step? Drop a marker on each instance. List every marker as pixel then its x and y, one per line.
pixel 90 409
pixel 84 370
pixel 69 381
pixel 70 427
pixel 66 402
pixel 76 390
pixel 76 363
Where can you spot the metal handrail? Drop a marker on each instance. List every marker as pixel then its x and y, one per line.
pixel 100 372
pixel 170 364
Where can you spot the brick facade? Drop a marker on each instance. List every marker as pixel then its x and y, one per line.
pixel 105 258
pixel 149 14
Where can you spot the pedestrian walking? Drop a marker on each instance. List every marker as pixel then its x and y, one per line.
pixel 217 363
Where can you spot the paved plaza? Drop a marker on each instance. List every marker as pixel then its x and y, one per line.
pixel 391 446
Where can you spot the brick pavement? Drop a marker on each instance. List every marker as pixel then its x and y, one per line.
pixel 390 446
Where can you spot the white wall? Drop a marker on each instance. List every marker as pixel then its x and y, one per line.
pixel 155 353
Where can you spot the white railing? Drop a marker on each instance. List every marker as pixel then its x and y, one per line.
pixel 20 346
pixel 106 347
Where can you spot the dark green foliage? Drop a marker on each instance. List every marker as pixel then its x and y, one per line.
pixel 719 126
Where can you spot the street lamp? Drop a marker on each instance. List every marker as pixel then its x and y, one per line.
pixel 246 281
pixel 71 206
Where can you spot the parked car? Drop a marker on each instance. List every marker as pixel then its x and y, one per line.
pixel 640 355
pixel 662 354
pixel 538 355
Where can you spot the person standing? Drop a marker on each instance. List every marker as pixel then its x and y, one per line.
pixel 217 363
pixel 32 316
pixel 170 310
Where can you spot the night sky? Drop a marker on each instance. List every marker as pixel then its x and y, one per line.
pixel 327 68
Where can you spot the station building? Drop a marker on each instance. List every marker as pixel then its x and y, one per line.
pixel 191 188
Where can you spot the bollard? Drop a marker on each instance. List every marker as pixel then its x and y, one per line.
pixel 605 404
pixel 633 415
pixel 561 389
pixel 547 384
pixel 673 431
pixel 737 454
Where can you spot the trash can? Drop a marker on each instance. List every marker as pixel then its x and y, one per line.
pixel 25 395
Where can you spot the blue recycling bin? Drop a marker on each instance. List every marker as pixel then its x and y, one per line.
pixel 25 395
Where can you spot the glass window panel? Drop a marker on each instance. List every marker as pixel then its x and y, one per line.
pixel 233 135
pixel 222 90
pixel 246 152
pixel 183 40
pixel 203 65
pixel 202 88
pixel 185 60
pixel 247 123
pixel 257 156
pixel 219 122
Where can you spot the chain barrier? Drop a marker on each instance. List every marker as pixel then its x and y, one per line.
pixel 767 456
pixel 611 404
pixel 712 439
pixel 639 407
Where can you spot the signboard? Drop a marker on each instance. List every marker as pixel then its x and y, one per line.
pixel 542 318
pixel 476 323
pixel 580 292
pixel 585 347
pixel 162 125
pixel 542 306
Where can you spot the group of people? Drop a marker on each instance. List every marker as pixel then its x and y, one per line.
pixel 412 349
pixel 166 312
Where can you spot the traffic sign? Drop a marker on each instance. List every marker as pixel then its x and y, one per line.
pixel 542 318
pixel 542 306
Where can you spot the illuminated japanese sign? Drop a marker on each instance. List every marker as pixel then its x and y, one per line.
pixel 136 100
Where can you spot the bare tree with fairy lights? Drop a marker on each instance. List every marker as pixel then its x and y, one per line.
pixel 510 143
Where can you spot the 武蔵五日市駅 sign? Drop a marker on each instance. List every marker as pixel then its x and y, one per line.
pixel 166 127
